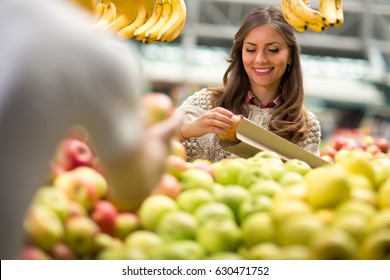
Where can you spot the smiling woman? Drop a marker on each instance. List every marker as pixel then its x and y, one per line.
pixel 263 82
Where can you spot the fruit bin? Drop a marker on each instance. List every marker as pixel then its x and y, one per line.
pixel 256 208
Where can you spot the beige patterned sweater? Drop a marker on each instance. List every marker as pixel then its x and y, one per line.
pixel 208 147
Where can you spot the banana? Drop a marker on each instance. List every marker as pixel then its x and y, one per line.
pixel 328 9
pixel 316 27
pixel 173 33
pixel 339 13
pixel 175 23
pixel 151 33
pixel 127 32
pixel 296 22
pixel 139 33
pixel 120 22
pixel 99 10
pixel 304 12
pixel 89 5
pixel 108 16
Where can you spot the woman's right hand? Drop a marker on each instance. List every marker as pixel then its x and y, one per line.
pixel 217 120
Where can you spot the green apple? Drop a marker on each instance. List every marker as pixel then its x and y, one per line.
pixel 274 169
pixel 297 191
pixel 269 155
pixel 334 244
pixel 224 256
pixel 144 241
pixel 153 208
pixel 80 234
pixel 265 187
pixel 264 251
pixel 213 210
pixel 228 171
pixel 252 204
pixel 299 229
pixel 376 246
pixel 43 226
pixel 380 220
pixel 354 224
pixel 359 181
pixel 257 228
pixel 196 178
pixel 366 195
pixel 177 225
pixel 296 252
pixel 120 254
pixel 180 250
pixel 326 186
pixel 55 199
pixel 219 235
pixel 189 200
pixel 231 195
pixel 251 175
pixel 284 209
pixel 381 167
pixel 105 241
pixel 290 178
pixel 358 163
pixel 298 166
pixel 384 195
pixel 356 206
pixel 125 223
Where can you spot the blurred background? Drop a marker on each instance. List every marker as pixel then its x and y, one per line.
pixel 346 69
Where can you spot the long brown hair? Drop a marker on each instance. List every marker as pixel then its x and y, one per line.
pixel 289 119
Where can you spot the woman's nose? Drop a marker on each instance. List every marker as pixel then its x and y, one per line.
pixel 261 57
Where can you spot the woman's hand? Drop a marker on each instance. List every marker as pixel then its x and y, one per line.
pixel 218 120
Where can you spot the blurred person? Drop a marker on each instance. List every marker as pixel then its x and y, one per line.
pixel 263 82
pixel 57 72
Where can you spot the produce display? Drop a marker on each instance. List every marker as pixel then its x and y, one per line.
pixel 301 16
pixel 256 208
pixel 143 20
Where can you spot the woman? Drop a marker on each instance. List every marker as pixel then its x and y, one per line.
pixel 263 82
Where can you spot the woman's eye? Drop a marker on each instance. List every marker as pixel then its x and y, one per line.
pixel 273 50
pixel 250 50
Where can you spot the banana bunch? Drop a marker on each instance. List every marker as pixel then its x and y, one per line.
pixel 301 16
pixel 163 24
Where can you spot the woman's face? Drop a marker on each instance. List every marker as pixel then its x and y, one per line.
pixel 265 56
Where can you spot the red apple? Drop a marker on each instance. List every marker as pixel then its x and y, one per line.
pixel 71 153
pixel 168 185
pixel 338 142
pixel 31 252
pixel 175 165
pixel 203 164
pixel 373 149
pixel 62 251
pixel 155 107
pixel 328 150
pixel 383 144
pixel 178 149
pixel 232 132
pixel 104 215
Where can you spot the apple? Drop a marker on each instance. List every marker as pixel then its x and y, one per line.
pixel 298 166
pixel 231 133
pixel 274 169
pixel 43 226
pixel 229 170
pixel 177 225
pixel 155 107
pixel 297 191
pixel 327 186
pixel 356 206
pixel 191 199
pixel 334 244
pixel 178 149
pixel 196 178
pixel 145 241
pixel 264 251
pixel 175 165
pixel 299 229
pixel 258 228
pixel 219 235
pixel 213 210
pixel 104 241
pixel 269 155
pixel 55 199
pixel 384 195
pixel 296 252
pixel 224 256
pixel 121 254
pixel 338 142
pixel 359 181
pixel 252 204
pixel 325 215
pixel 153 208
pixel 265 187
pixel 383 144
pixel 180 250
pixel 71 153
pixel 250 175
pixel 380 220
pixel 283 209
pixel 126 223
pixel 168 185
pixel 104 214
pixel 62 251
pixel 32 252
pixel 373 149
pixel 354 224
pixel 231 195
pixel 376 246
pixel 328 151
pixel 83 185
pixel 76 209
pixel 381 167
pixel 80 234
pixel 290 178
pixel 205 165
